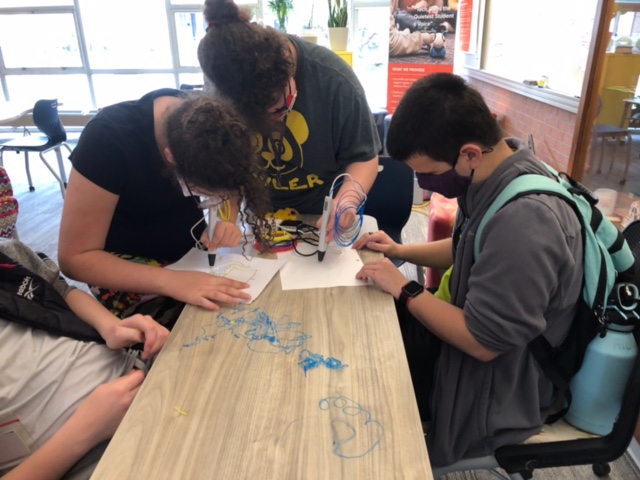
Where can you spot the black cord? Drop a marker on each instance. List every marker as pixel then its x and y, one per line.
pixel 306 234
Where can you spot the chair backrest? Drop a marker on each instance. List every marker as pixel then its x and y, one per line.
pixel 391 197
pixel 47 120
pixel 190 86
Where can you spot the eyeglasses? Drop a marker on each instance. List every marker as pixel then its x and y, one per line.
pixel 288 99
pixel 206 202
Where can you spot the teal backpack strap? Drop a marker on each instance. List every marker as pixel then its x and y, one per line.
pixel 518 187
pixel 604 245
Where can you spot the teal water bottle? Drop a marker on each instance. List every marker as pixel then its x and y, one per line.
pixel 598 387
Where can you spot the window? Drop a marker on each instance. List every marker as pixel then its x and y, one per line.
pixel 190 28
pixel 114 88
pixel 89 54
pixel 121 34
pixel 71 90
pixel 371 52
pixel 517 44
pixel 552 42
pixel 21 48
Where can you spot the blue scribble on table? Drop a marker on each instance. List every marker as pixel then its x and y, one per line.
pixel 354 432
pixel 309 360
pixel 263 334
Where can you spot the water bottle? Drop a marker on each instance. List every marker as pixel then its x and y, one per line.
pixel 599 385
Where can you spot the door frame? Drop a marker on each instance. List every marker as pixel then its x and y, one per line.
pixel 588 108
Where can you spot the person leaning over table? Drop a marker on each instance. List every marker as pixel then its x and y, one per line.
pixel 65 396
pixel 132 206
pixel 306 101
pixel 488 390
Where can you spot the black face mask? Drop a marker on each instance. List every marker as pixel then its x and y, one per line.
pixel 449 184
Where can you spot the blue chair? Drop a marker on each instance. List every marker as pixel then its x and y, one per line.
pixel 52 136
pixel 390 199
pixel 379 115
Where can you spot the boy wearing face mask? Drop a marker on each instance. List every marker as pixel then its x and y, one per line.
pixel 474 378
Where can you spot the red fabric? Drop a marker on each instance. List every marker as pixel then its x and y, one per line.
pixel 442 215
pixel 8 206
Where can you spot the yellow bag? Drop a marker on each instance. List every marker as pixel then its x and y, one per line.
pixel 443 292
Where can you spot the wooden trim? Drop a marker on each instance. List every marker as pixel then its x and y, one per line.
pixel 588 109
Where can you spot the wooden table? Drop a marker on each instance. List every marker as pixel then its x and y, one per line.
pixel 628 102
pixel 228 397
pixel 10 112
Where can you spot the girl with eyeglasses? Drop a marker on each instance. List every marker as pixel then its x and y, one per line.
pixel 127 211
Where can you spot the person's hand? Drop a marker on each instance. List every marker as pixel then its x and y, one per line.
pixel 204 290
pixel 378 242
pixel 137 329
pixel 226 234
pixel 330 222
pixel 99 415
pixel 346 220
pixel 385 275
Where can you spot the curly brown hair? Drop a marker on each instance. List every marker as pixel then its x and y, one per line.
pixel 247 62
pixel 213 150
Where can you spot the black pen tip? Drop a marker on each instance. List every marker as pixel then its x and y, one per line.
pixel 212 259
pixel 321 255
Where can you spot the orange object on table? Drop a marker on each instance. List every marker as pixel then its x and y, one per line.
pixel 442 216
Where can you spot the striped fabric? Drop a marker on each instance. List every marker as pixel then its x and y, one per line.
pixel 5 184
pixel 8 206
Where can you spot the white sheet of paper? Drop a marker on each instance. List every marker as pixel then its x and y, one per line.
pixel 257 272
pixel 338 269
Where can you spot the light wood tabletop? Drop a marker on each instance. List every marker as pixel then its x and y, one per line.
pixel 300 384
pixel 10 112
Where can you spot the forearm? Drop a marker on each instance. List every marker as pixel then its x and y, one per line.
pixel 362 172
pixel 55 457
pixel 92 312
pixel 447 322
pixel 96 267
pixel 436 254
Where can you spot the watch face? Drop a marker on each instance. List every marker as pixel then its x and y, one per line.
pixel 412 289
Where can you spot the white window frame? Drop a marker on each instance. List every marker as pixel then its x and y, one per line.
pixel 471 64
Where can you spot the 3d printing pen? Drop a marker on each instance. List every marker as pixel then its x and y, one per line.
pixel 213 219
pixel 322 240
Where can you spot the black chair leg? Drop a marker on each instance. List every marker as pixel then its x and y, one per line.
pixel 26 167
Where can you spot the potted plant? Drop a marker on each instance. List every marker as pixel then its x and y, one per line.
pixel 281 9
pixel 337 23
pixel 308 31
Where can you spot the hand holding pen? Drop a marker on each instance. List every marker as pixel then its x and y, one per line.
pixel 327 210
pixel 221 231
pixel 213 220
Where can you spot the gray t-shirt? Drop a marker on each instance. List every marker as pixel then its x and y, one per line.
pixel 330 127
pixel 44 378
pixel 526 280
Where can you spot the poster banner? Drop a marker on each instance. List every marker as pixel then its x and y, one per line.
pixel 422 37
pixel 467 25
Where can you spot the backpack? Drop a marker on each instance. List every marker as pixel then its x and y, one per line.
pixel 28 299
pixel 607 260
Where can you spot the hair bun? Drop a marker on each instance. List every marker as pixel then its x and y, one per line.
pixel 218 12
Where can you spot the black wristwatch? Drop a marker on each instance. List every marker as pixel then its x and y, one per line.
pixel 409 291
